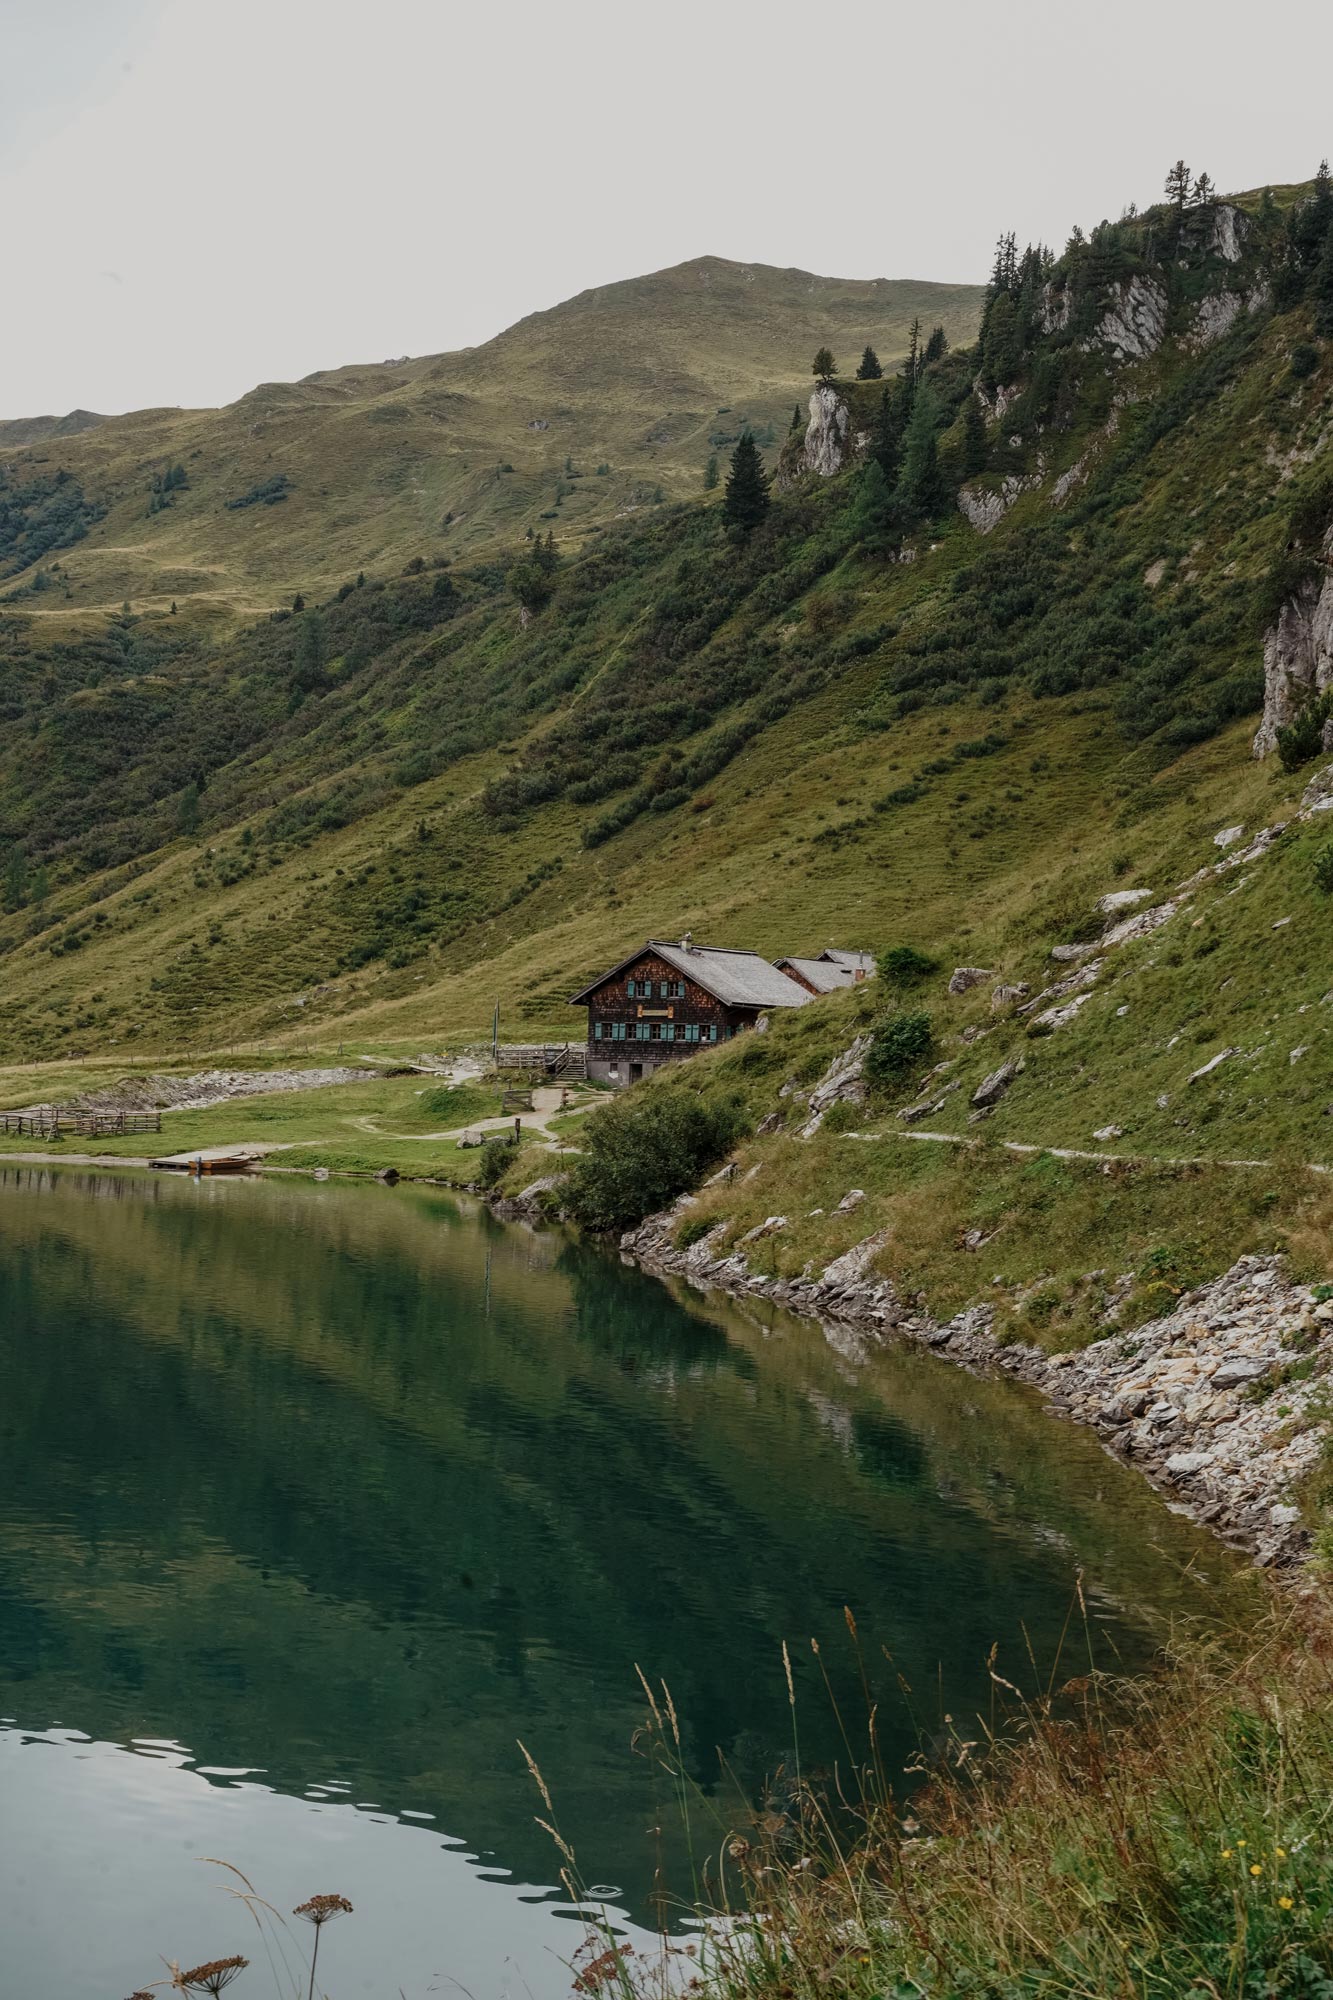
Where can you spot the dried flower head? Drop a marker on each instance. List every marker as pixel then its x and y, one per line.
pixel 211 1978
pixel 323 1909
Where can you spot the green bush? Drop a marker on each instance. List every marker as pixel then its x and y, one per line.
pixel 493 1161
pixel 1322 869
pixel 898 1044
pixel 904 965
pixel 640 1152
pixel 1303 739
pixel 692 1229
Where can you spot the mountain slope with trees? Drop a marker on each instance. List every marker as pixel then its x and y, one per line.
pixel 1008 659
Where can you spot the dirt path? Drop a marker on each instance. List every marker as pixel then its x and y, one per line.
pixel 1074 1152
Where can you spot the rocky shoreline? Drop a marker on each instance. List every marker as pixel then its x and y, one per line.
pixel 1220 1403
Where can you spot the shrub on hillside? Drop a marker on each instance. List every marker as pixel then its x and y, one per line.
pixel 640 1152
pixel 1304 738
pixel 904 965
pixel 898 1044
pixel 493 1161
pixel 1323 868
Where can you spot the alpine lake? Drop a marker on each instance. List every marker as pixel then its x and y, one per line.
pixel 317 1500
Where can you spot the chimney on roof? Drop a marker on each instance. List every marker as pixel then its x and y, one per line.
pixel 687 942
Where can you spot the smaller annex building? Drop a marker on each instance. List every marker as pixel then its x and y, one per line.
pixel 666 1001
pixel 831 971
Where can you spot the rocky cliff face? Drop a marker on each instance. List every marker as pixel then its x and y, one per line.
pixel 1134 323
pixel 827 445
pixel 1298 658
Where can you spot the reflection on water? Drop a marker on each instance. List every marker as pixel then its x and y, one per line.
pixel 313 1500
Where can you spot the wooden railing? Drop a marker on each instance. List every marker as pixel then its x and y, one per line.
pixel 53 1121
pixel 550 1058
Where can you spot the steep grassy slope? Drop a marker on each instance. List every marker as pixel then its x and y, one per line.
pixel 451 454
pixel 379 818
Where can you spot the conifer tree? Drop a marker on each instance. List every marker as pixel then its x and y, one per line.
pixel 872 513
pixel 1177 186
pixel 974 438
pixel 886 433
pixel 1204 192
pixel 920 489
pixel 796 418
pixel 746 500
pixel 913 354
pixel 936 347
pixel 870 370
pixel 16 877
pixel 824 367
pixel 1321 291
pixel 710 473
pixel 187 813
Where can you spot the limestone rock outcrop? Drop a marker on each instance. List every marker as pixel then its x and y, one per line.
pixel 1134 324
pixel 1298 657
pixel 986 506
pixel 827 444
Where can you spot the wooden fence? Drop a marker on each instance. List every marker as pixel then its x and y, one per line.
pixel 565 1059
pixel 53 1121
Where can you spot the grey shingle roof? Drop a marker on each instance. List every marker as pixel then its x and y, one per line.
pixel 736 978
pixel 823 974
pixel 855 961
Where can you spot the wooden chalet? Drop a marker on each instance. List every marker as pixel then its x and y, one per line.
pixel 666 1001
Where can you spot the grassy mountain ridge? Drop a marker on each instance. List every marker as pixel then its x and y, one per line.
pixel 457 454
pixel 379 817
pixel 32 430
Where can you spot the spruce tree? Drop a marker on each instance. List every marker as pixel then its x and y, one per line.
pixel 796 418
pixel 936 347
pixel 1321 291
pixel 187 813
pixel 1177 186
pixel 16 878
pixel 914 355
pixel 1204 192
pixel 710 473
pixel 886 433
pixel 870 370
pixel 920 490
pixel 872 514
pixel 974 438
pixel 824 367
pixel 746 500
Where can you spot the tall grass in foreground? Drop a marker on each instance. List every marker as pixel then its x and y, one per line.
pixel 1152 1837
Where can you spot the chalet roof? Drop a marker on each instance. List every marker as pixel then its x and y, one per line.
pixel 822 973
pixel 736 978
pixel 855 961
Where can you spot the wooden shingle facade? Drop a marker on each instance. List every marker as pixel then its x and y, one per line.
pixel 667 1001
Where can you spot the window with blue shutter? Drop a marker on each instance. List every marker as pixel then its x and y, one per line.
pixel 645 1030
pixel 617 1031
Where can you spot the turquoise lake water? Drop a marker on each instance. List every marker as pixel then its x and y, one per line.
pixel 315 1499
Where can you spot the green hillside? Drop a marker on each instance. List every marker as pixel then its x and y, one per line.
pixel 371 821
pixel 599 409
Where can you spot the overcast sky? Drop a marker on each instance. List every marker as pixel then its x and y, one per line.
pixel 198 195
